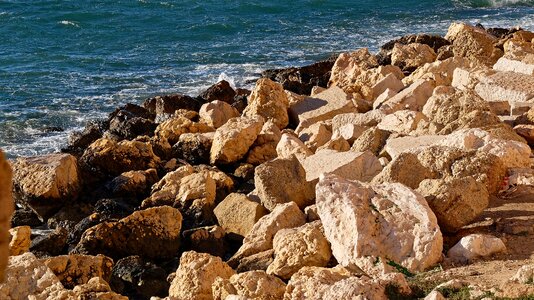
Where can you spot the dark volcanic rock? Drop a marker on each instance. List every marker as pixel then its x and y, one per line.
pixel 193 148
pixel 130 121
pixel 152 233
pixel 133 184
pixel 220 91
pixel 137 279
pixel 25 217
pixel 78 141
pixel 168 104
pixel 209 239
pixel 240 102
pixel 49 242
pixel 433 41
pixel 301 80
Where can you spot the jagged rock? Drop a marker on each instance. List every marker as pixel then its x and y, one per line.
pixel 20 240
pixel 217 113
pixel 138 279
pixel 373 139
pixel 473 43
pixel 133 183
pixel 313 282
pixel 525 274
pixel 165 191
pixel 302 80
pixel 153 233
pixel 336 144
pixel 299 247
pixel 45 183
pixel 413 97
pixel 351 165
pixel 73 270
pixel 349 66
pixel 264 148
pixel 233 140
pixel 130 121
pixel 440 71
pixel 321 107
pixel 456 202
pixel 389 83
pixel 30 277
pixel 196 199
pixel 251 285
pixel 105 157
pixel 196 274
pixel 208 239
pixel 269 101
pixel 96 288
pixel 259 261
pixel 527 132
pixel 50 242
pixel 172 129
pixel 260 238
pixel 475 246
pixel 410 57
pixel 79 140
pixel 283 180
pixel 436 42
pixel 290 145
pixel 168 104
pixel 389 221
pixel 382 98
pixel 237 214
pixel 193 147
pixel 356 288
pixel 221 91
pixel 315 136
pixel 402 121
pixel 506 86
pixel 24 217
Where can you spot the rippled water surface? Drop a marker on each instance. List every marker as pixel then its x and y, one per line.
pixel 65 62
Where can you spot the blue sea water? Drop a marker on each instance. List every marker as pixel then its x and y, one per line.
pixel 63 63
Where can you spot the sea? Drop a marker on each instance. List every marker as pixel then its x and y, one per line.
pixel 65 62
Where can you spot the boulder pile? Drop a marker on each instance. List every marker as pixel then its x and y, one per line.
pixel 339 180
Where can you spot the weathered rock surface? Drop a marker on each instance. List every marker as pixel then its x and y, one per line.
pixel 251 285
pixel 389 221
pixel 73 270
pixel 525 274
pixel 264 148
pixel 20 240
pixel 45 183
pixel 260 238
pixel 196 274
pixel 441 71
pixel 233 140
pixel 356 288
pixel 173 128
pixel 373 140
pixel 221 91
pixel 456 202
pixel 315 136
pixel 137 279
pixel 402 121
pixel 217 113
pixel 237 214
pixel 313 282
pixel 410 57
pixel 194 147
pixel 283 180
pixel 133 183
pixel 207 239
pixel 506 86
pixel 473 43
pixel 413 97
pixel 269 101
pixel 475 246
pixel 351 165
pixel 290 145
pixel 168 104
pixel 299 247
pixel 153 233
pixel 349 66
pixel 130 121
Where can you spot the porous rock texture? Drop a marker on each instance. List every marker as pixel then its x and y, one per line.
pixel 6 209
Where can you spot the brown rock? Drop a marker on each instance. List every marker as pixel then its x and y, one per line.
pixel 73 270
pixel 174 127
pixel 237 214
pixel 473 43
pixel 410 57
pixel 373 139
pixel 20 240
pixel 313 282
pixel 269 101
pixel 221 91
pixel 264 148
pixel 251 285
pixel 216 113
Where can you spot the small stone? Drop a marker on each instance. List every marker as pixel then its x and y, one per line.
pixel 475 246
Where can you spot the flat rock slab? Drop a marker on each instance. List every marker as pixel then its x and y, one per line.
pixel 349 165
pixel 506 86
pixel 396 146
pixel 510 65
pixel 322 106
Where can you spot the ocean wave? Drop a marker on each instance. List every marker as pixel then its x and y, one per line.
pixel 69 23
pixel 495 3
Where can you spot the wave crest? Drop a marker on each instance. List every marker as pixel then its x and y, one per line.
pixel 495 3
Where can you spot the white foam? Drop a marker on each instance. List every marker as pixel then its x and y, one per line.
pixel 69 23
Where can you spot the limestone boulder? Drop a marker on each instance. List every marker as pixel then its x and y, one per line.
pixel 251 285
pixel 410 57
pixel 373 140
pixel 95 288
pixel 269 101
pixel 402 121
pixel 314 282
pixel 233 140
pixel 106 157
pixel 315 136
pixel 73 270
pixel 368 119
pixel 164 192
pixel 473 43
pixel 196 274
pixel 349 132
pixel 264 148
pixel 260 238
pixel 290 145
pixel 413 97
pixel 389 83
pixel 174 127
pixel 475 246
pixel 356 288
pixel 133 183
pixel 441 71
pixel 45 183
pixel 283 180
pixel 237 214
pixel 506 86
pixel 390 221
pixel 336 144
pixel 456 202
pixel 505 64
pixel 20 240
pixel 349 66
pixel 153 233
pixel 321 107
pixel 295 248
pixel 351 165
pixel 524 275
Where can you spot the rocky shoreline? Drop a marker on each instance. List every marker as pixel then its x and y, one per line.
pixel 393 175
